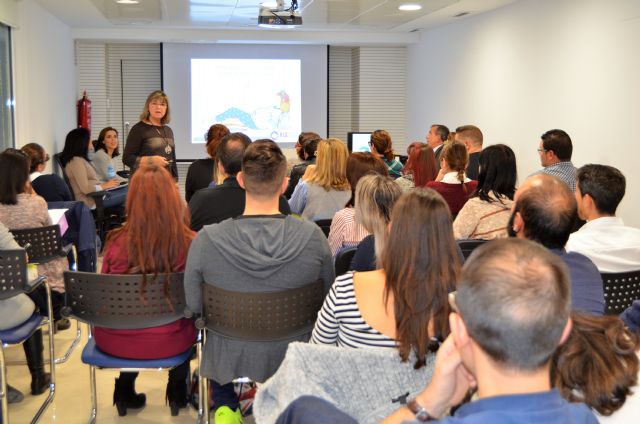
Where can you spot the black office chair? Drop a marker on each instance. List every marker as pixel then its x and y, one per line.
pixel 44 244
pixel 325 225
pixel 343 259
pixel 14 280
pixel 469 245
pixel 620 290
pixel 120 301
pixel 269 316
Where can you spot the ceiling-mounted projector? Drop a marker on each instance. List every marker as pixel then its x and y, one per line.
pixel 279 17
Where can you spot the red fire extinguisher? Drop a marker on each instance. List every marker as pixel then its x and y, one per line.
pixel 84 112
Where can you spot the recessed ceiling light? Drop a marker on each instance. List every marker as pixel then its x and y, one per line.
pixel 409 7
pixel 269 4
pixel 127 1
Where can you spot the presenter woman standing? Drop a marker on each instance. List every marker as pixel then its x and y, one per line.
pixel 152 136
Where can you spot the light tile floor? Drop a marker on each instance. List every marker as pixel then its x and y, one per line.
pixel 72 402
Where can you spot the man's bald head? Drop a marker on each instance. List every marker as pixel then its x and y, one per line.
pixel 547 209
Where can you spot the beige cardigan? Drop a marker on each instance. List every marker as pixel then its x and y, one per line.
pixel 83 179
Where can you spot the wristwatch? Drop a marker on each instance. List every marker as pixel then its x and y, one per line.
pixel 418 410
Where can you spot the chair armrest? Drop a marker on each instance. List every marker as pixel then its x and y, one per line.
pixel 33 284
pixel 124 174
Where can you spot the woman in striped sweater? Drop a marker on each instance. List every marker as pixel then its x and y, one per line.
pixel 404 304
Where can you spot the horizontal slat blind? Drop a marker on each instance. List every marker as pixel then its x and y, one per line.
pixel 340 97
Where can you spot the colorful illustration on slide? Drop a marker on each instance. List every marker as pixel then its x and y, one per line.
pixel 271 118
pixel 234 114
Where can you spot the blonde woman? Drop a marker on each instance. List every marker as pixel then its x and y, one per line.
pixel 152 136
pixel 324 189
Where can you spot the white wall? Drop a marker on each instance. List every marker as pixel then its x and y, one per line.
pixel 44 78
pixel 532 66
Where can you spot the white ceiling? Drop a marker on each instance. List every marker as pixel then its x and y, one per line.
pixel 362 18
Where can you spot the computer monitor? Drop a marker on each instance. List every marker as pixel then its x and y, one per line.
pixel 358 141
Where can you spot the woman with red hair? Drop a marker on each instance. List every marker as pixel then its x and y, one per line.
pixel 154 239
pixel 420 169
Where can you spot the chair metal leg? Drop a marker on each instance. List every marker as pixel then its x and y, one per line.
pixel 203 386
pixel 94 399
pixel 52 361
pixel 4 401
pixel 67 354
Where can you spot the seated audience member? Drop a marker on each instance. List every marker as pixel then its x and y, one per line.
pixel 375 198
pixel 512 311
pixel 436 137
pixel 471 137
pixel 227 200
pixel 82 176
pixel 259 251
pixel 50 187
pixel 19 208
pixel 106 150
pixel 324 189
pixel 452 182
pixel 611 245
pixel 404 303
pixel 202 171
pixel 306 147
pixel 486 214
pixel 382 147
pixel 154 240
pixel 544 211
pixel 345 231
pixel 420 169
pixel 555 155
pixel 15 311
pixel 598 364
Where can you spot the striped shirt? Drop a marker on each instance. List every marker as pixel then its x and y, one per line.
pixel 345 231
pixel 340 322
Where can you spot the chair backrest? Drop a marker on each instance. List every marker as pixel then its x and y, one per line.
pixel 58 161
pixel 45 242
pixel 325 225
pixel 620 290
pixel 13 272
pixel 467 246
pixel 261 316
pixel 120 301
pixel 343 259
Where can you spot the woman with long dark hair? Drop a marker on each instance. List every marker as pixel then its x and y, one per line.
pixel 82 176
pixel 486 214
pixel 202 172
pixel 404 304
pixel 106 150
pixel 154 239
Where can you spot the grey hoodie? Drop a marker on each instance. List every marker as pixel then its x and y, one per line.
pixel 253 254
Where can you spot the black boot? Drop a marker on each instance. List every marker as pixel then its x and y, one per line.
pixel 177 388
pixel 33 350
pixel 125 396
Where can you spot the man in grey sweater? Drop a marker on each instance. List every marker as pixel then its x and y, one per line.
pixel 259 251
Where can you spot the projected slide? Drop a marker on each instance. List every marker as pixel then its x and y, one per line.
pixel 259 97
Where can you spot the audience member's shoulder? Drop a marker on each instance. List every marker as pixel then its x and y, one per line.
pixel 579 260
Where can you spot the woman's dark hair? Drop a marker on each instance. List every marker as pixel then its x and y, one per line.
pixel 598 364
pixel 100 141
pixel 422 267
pixel 14 174
pixel 498 173
pixel 381 141
pixel 213 136
pixel 360 164
pixel 303 138
pixel 309 148
pixel 75 144
pixel 37 155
